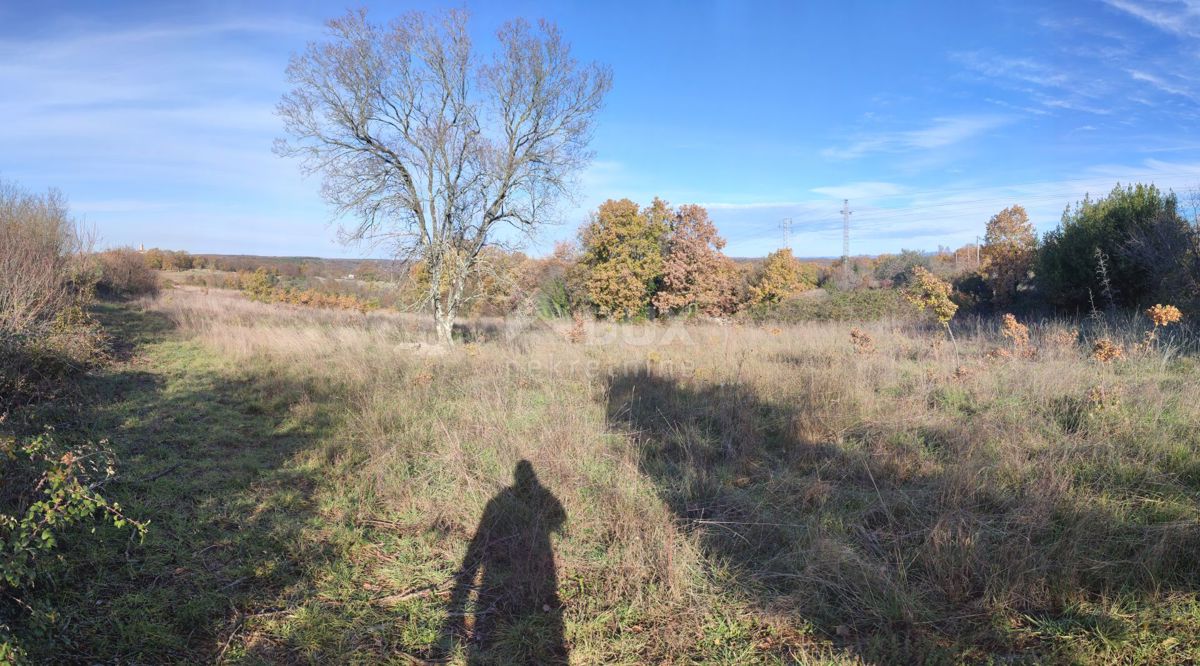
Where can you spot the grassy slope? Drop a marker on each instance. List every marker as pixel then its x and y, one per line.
pixel 259 549
pixel 315 507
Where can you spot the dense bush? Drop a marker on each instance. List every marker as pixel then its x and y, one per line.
pixel 46 337
pixel 45 283
pixel 972 293
pixel 894 269
pixel 861 305
pixel 1098 252
pixel 124 273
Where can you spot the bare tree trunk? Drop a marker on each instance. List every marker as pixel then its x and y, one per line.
pixel 443 320
pixel 953 341
pixel 445 307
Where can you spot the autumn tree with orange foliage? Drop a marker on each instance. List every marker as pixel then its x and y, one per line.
pixel 782 275
pixel 695 273
pixel 1009 252
pixel 623 251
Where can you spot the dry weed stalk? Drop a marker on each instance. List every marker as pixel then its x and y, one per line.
pixel 862 341
pixel 1064 337
pixel 1018 334
pixel 577 334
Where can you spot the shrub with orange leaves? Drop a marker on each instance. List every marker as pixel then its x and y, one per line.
pixel 1018 333
pixel 862 341
pixel 1015 331
pixel 1164 315
pixel 1063 337
pixel 1106 350
pixel 929 292
pixel 260 286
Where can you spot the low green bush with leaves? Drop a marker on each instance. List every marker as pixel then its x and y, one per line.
pixel 856 305
pixel 45 489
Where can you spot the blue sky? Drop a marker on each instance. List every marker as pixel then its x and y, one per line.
pixel 156 119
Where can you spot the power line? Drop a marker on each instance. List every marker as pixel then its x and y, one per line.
pixel 1088 179
pixel 875 218
pixel 999 199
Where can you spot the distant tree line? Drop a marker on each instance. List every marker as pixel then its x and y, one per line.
pixel 1132 248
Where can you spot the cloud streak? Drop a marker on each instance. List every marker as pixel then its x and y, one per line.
pixel 894 217
pixel 942 132
pixel 1178 17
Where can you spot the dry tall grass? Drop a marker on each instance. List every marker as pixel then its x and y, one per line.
pixel 898 502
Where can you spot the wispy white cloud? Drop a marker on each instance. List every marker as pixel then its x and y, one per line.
pixel 1050 88
pixel 898 216
pixel 942 132
pixel 865 189
pixel 1171 88
pixel 1179 17
pixel 753 205
pixel 1074 105
pixel 1026 70
pixel 160 131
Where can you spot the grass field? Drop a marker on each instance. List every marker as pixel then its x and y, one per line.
pixel 322 488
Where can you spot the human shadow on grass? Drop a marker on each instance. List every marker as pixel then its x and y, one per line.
pixel 883 552
pixel 203 455
pixel 515 615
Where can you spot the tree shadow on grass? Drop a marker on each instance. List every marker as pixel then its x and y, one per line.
pixel 880 548
pixel 205 456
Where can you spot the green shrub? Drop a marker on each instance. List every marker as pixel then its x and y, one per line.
pixel 895 269
pixel 47 338
pixel 821 305
pixel 259 285
pixel 45 488
pixel 972 294
pixel 554 300
pixel 1112 232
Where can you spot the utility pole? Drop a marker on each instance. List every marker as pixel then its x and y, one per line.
pixel 978 260
pixel 786 225
pixel 846 237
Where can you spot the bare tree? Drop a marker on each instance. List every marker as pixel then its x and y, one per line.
pixel 42 251
pixel 1191 203
pixel 432 148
